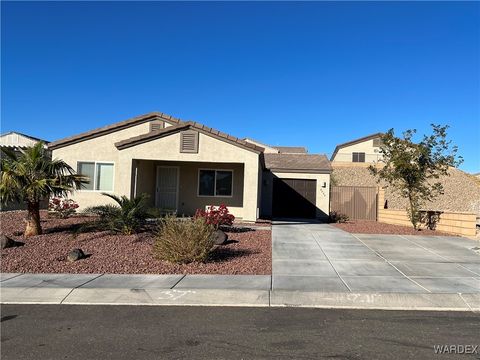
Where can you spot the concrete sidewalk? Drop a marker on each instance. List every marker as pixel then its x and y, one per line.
pixel 207 290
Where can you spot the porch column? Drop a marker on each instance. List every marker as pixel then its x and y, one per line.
pixel 250 189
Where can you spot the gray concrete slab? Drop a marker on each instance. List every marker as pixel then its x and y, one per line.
pixel 401 256
pixel 6 276
pixel 472 300
pixel 33 295
pixel 302 267
pixel 432 269
pixel 137 281
pixel 391 284
pixel 475 268
pixel 297 251
pixel 388 301
pixel 308 283
pixel 350 252
pixel 252 282
pixel 201 297
pixel 364 268
pixel 450 284
pixel 48 280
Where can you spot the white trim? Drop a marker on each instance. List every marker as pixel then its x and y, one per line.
pixel 178 184
pixel 94 162
pixel 214 183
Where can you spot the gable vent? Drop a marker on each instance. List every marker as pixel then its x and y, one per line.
pixel 156 125
pixel 189 141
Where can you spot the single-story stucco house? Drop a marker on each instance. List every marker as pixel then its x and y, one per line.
pixel 363 150
pixel 184 166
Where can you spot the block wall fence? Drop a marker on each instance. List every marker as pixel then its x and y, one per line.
pixel 458 223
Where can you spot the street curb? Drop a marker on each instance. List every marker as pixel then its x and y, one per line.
pixel 205 290
pixel 241 298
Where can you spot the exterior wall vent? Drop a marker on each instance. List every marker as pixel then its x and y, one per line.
pixel 189 141
pixel 377 142
pixel 156 125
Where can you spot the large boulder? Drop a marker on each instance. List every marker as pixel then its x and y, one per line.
pixel 219 237
pixel 75 254
pixel 6 242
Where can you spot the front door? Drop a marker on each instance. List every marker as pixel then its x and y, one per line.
pixel 166 195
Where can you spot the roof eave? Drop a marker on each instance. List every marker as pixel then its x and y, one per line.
pixel 112 128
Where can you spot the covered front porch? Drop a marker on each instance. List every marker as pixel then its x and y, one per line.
pixel 184 186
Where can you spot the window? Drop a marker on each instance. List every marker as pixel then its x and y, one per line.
pixel 377 142
pixel 358 157
pixel 215 182
pixel 87 169
pixel 99 174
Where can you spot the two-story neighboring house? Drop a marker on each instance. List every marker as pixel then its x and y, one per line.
pixel 362 150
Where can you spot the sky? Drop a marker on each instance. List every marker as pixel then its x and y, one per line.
pixel 283 73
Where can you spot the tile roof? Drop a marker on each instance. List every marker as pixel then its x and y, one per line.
pixel 298 163
pixel 291 149
pixel 183 126
pixel 114 127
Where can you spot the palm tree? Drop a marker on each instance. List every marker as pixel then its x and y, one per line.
pixel 31 176
pixel 127 216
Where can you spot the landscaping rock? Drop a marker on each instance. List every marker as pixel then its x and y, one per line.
pixel 75 254
pixel 6 242
pixel 219 237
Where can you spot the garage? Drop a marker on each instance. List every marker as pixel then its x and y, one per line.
pixel 294 198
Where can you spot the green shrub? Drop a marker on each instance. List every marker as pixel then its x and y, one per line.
pixel 184 240
pixel 126 217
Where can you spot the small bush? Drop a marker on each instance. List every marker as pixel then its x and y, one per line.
pixel 127 217
pixel 184 240
pixel 62 208
pixel 338 217
pixel 216 216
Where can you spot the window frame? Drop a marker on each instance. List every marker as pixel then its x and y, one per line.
pixel 94 162
pixel 358 157
pixel 214 183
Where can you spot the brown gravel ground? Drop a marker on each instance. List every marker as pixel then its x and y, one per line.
pixel 248 253
pixel 461 190
pixel 373 227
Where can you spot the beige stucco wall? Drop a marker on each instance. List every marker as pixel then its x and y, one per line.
pixel 101 148
pixel 322 196
pixel 345 154
pixel 188 199
pixel 166 149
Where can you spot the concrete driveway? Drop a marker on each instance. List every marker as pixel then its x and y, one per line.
pixel 321 257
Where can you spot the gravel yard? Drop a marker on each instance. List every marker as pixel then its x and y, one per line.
pixel 249 252
pixel 373 227
pixel 462 191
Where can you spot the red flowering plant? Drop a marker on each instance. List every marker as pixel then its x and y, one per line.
pixel 216 216
pixel 62 208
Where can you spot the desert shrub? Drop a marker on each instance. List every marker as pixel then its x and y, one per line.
pixel 126 217
pixel 184 240
pixel 61 207
pixel 216 216
pixel 338 217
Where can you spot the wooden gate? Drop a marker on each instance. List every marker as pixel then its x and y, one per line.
pixel 358 202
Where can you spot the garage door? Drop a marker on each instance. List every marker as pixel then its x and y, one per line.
pixel 294 198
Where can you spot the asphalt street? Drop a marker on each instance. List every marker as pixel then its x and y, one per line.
pixel 157 332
